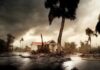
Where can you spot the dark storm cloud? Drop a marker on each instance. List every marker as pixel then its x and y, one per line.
pixel 18 16
pixel 13 11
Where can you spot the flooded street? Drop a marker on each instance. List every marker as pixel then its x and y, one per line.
pixel 14 62
pixel 81 64
pixel 19 63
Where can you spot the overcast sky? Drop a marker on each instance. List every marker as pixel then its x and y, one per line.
pixel 29 18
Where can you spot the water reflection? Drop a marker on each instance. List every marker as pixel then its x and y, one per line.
pixel 22 61
pixel 73 63
pixel 19 63
pixel 26 64
pixel 81 64
pixel 14 61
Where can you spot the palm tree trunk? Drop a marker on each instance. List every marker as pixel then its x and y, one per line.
pixel 20 47
pixel 60 33
pixel 89 40
pixel 90 44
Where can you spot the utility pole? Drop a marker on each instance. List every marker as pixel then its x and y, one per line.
pixel 42 40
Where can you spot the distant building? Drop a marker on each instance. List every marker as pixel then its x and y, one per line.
pixel 50 46
pixel 40 47
pixel 39 43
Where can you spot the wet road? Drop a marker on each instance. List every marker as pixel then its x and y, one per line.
pixel 19 63
pixel 81 64
pixel 14 62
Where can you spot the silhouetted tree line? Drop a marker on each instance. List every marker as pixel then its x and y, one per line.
pixel 84 48
pixel 69 48
pixel 6 46
pixel 25 49
pixel 95 50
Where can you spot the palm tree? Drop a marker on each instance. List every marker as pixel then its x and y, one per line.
pixel 2 46
pixel 89 33
pixel 61 8
pixel 21 40
pixel 97 29
pixel 10 40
